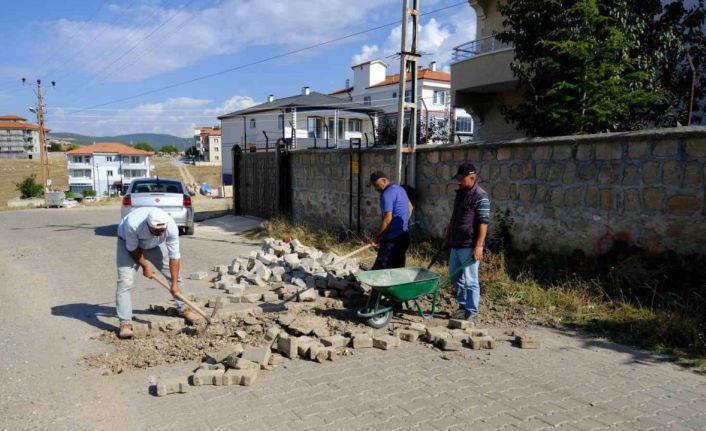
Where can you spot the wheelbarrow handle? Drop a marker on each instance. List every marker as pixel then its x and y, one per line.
pixel 452 275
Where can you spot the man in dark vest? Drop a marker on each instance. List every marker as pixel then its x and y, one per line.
pixel 465 235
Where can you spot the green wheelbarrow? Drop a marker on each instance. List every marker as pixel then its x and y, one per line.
pixel 392 287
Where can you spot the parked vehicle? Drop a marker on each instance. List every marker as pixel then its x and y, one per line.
pixel 167 194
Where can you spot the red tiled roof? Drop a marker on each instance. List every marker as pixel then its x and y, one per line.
pixel 341 91
pixel 11 117
pixel 433 75
pixel 210 132
pixel 110 147
pixel 18 125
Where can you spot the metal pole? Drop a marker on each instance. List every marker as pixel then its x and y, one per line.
pixel 693 87
pixel 401 95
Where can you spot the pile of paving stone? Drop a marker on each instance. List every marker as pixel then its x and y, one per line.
pixel 289 271
pixel 306 337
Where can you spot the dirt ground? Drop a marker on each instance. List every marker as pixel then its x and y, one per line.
pixel 13 171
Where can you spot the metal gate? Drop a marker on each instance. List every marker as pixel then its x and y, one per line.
pixel 261 182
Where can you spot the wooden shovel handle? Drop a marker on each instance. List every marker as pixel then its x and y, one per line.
pixel 353 253
pixel 181 298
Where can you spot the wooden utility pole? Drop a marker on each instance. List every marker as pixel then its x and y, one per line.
pixel 43 157
pixel 408 61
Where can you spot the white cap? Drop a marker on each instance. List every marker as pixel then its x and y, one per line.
pixel 158 218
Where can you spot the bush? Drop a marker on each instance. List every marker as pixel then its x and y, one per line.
pixel 29 188
pixel 54 147
pixel 169 149
pixel 89 193
pixel 70 195
pixel 144 146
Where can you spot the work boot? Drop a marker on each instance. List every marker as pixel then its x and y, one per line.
pixel 190 315
pixel 459 314
pixel 125 330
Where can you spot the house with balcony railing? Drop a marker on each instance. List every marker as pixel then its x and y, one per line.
pixel 106 167
pixel 18 138
pixel 481 78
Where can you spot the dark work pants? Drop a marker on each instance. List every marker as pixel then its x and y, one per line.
pixel 391 253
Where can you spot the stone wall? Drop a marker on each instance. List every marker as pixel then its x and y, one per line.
pixel 583 192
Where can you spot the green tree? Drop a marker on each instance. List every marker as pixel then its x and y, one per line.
pixel 144 146
pixel 74 147
pixel 591 66
pixel 169 149
pixel 54 147
pixel 29 188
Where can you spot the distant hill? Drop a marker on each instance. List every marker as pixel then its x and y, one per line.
pixel 156 140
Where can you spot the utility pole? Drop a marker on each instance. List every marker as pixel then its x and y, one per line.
pixel 43 157
pixel 408 61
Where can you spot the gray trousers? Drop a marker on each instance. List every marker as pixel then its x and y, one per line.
pixel 127 268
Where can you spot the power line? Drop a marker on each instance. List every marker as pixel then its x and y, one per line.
pixel 264 60
pixel 126 38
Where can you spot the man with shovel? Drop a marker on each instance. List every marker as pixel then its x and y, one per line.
pixel 392 237
pixel 146 238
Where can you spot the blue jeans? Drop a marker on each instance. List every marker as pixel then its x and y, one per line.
pixel 466 282
pixel 127 267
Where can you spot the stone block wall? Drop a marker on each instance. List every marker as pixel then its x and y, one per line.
pixel 583 192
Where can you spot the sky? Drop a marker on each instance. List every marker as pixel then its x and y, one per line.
pixel 111 59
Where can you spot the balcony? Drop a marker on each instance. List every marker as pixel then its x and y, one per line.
pixel 485 45
pixel 482 66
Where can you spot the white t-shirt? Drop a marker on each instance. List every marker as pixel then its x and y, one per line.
pixel 136 233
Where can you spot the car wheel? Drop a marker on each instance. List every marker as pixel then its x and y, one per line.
pixel 189 230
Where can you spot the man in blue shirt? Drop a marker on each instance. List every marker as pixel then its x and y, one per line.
pixel 392 237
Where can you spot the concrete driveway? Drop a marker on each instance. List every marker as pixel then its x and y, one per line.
pixel 57 269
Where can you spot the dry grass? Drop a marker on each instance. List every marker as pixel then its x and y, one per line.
pixel 164 167
pixel 15 171
pixel 577 302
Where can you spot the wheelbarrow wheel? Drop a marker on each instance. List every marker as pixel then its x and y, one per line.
pixel 379 320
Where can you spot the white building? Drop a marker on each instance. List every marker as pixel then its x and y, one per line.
pixel 106 167
pixel 208 142
pixel 308 120
pixel 372 86
pixel 18 139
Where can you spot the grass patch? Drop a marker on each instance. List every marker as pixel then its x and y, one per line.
pixel 621 296
pixel 13 171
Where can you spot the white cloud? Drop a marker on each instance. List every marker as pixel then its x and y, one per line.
pixel 235 103
pixel 175 116
pixel 436 39
pixel 367 53
pixel 189 36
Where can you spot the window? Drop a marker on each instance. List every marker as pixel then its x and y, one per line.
pixel 216 158
pixel 464 125
pixel 394 95
pixel 134 159
pixel 367 101
pixel 252 123
pixel 109 173
pixel 314 126
pixel 108 158
pixel 408 95
pixel 280 121
pixel 355 125
pixel 215 149
pixel 332 128
pixel 440 97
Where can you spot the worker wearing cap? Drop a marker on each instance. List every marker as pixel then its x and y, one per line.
pixel 392 237
pixel 147 237
pixel 465 236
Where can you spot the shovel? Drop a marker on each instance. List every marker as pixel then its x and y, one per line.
pixel 193 306
pixel 353 253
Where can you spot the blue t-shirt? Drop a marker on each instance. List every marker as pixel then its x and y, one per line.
pixel 394 199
